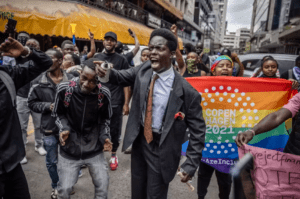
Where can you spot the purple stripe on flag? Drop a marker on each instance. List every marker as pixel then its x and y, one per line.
pixel 221 164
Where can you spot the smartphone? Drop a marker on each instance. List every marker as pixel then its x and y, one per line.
pixel 11 26
pixel 130 31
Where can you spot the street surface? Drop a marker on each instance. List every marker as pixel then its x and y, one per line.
pixel 119 186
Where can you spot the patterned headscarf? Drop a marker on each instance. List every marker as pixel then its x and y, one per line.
pixel 217 61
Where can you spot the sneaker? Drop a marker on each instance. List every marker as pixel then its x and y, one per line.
pixel 54 194
pixel 114 163
pixel 128 151
pixel 24 161
pixel 80 174
pixel 41 150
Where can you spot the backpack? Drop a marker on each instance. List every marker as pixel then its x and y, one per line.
pixel 10 85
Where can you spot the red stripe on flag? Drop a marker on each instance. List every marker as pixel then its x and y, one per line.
pixel 239 84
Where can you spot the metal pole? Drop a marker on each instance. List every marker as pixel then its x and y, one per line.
pixel 236 172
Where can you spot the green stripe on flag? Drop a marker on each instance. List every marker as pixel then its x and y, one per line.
pixel 210 137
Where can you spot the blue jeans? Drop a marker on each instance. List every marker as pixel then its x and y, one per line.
pixel 68 175
pixel 51 146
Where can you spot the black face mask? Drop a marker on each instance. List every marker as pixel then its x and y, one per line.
pixel 22 40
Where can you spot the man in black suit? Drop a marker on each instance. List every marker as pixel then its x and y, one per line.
pixel 160 95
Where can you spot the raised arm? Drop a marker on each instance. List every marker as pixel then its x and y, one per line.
pixel 137 44
pixel 24 73
pixel 197 128
pixel 93 46
pixel 179 58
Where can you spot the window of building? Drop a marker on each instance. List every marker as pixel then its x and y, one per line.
pixel 176 3
pixel 276 16
pixel 182 6
pixel 186 7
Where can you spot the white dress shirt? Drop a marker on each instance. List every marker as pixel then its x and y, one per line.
pixel 161 93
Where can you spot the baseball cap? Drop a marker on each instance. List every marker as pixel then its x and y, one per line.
pixel 112 35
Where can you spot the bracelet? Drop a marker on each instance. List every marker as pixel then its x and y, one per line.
pixel 252 131
pixel 29 51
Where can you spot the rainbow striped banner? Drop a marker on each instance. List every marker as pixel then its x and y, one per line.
pixel 234 104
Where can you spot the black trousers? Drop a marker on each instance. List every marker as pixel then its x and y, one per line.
pixel 13 185
pixel 204 175
pixel 116 126
pixel 146 178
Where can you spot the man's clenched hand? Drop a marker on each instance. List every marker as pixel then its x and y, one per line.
pixel 107 145
pixel 244 138
pixel 186 177
pixel 63 136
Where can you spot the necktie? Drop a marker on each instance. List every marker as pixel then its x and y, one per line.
pixel 148 114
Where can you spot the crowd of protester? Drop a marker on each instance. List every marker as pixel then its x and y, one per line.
pixel 76 116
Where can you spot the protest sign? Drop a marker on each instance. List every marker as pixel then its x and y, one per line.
pixel 234 104
pixel 276 174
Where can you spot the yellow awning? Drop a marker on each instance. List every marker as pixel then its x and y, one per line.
pixel 53 18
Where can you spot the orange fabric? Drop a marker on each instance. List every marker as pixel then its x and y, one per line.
pixel 53 18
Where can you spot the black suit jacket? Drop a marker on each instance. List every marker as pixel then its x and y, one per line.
pixel 183 98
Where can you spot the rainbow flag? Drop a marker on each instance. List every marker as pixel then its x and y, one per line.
pixel 234 104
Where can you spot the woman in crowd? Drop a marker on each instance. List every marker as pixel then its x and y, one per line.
pixel 222 66
pixel 269 67
pixel 258 70
pixel 188 68
pixel 238 67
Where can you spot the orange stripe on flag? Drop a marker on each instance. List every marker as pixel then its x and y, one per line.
pixel 253 100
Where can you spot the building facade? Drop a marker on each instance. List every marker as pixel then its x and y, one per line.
pixel 203 8
pixel 215 19
pixel 275 26
pixel 222 7
pixel 236 41
pixel 258 23
pixel 179 12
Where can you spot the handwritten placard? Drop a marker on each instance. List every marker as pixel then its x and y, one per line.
pixel 276 174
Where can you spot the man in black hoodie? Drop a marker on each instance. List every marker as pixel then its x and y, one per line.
pixel 83 111
pixel 13 183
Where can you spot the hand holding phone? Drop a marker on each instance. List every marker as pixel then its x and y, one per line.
pixel 131 33
pixel 11 26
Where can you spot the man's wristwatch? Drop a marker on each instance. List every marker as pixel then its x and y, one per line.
pixel 29 51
